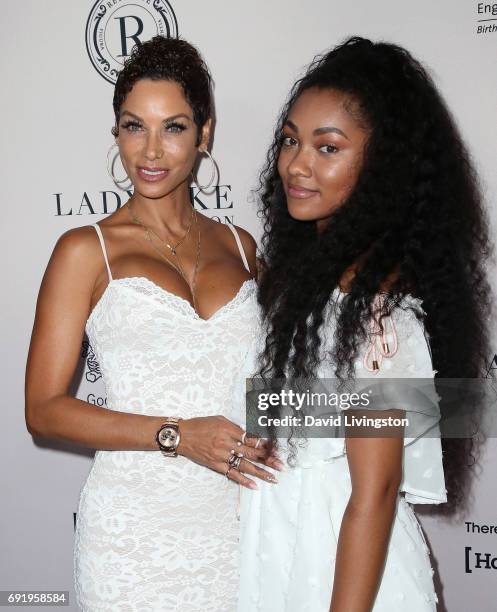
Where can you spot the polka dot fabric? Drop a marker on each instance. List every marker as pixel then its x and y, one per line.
pixel 289 531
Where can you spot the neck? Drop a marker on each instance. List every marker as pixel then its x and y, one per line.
pixel 171 212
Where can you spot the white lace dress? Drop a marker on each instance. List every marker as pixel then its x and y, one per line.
pixel 290 530
pixel 156 533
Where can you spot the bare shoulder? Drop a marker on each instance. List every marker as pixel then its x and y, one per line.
pixel 249 246
pixel 226 236
pixel 76 255
pixel 248 241
pixel 78 237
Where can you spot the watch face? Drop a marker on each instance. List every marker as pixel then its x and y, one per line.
pixel 168 437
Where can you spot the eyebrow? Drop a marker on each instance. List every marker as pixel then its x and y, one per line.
pixel 127 112
pixel 318 131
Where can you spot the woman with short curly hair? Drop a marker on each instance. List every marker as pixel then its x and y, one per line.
pixel 167 298
pixel 375 242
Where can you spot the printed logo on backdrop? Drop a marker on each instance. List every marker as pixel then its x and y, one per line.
pixel 492 368
pixel 486 16
pixel 480 558
pixel 114 27
pixel 93 375
pixel 217 205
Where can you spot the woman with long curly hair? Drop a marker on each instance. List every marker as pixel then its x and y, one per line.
pixel 167 298
pixel 373 267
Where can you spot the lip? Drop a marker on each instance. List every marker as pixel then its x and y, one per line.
pixel 294 191
pixel 161 174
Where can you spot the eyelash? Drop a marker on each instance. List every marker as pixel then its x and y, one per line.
pixel 335 149
pixel 178 127
pixel 284 138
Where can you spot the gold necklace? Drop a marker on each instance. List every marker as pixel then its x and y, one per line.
pixel 193 284
pixel 171 248
pixel 178 266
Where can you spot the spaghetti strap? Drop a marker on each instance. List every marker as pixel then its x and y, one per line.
pixel 240 247
pixel 104 250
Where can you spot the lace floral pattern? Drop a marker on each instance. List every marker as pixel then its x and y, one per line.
pixel 157 534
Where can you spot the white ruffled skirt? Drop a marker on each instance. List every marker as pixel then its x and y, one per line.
pixel 289 536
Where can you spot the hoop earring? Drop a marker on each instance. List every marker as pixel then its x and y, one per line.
pixel 215 170
pixel 110 169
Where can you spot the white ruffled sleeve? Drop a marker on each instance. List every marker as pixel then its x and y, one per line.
pixel 423 479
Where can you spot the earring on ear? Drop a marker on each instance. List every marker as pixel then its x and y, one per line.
pixel 111 160
pixel 215 170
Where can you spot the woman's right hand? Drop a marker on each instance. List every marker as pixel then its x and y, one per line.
pixel 209 441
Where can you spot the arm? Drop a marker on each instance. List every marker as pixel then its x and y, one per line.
pixel 376 471
pixel 62 309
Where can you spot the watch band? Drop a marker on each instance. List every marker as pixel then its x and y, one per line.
pixel 171 424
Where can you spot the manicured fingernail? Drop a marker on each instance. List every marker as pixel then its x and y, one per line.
pixel 279 465
pixel 271 478
pixel 253 485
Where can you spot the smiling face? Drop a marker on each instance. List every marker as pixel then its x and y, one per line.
pixel 321 153
pixel 158 137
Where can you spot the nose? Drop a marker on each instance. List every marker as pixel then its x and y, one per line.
pixel 299 163
pixel 153 146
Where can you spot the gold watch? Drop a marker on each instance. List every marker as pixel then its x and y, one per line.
pixel 168 437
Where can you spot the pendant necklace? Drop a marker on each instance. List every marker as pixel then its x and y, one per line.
pixel 176 265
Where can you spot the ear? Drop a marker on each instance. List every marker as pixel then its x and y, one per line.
pixel 205 135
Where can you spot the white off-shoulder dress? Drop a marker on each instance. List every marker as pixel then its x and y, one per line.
pixel 290 530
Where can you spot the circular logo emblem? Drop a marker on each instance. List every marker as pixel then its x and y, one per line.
pixel 116 26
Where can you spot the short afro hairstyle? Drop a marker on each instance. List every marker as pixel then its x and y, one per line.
pixel 171 59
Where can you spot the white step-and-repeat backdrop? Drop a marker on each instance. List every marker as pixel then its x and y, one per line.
pixel 58 61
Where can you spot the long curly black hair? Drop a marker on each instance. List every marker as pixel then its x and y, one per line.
pixel 415 211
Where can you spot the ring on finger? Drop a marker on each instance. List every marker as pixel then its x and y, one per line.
pixel 234 460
